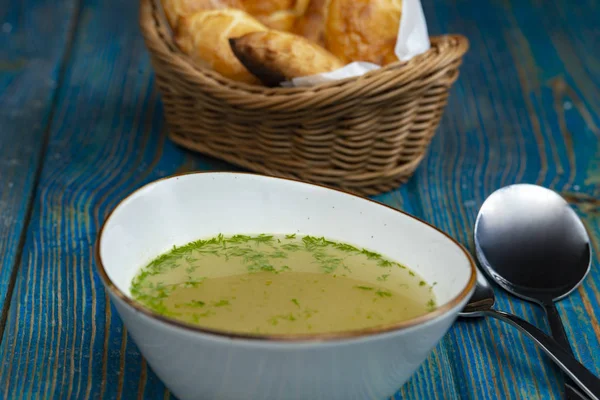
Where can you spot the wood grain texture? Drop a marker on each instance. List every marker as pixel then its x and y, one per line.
pixel 32 49
pixel 62 340
pixel 526 109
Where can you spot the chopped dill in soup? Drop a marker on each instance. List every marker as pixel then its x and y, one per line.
pixel 280 284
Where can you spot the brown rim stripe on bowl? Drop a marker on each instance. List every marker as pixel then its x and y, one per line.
pixel 283 338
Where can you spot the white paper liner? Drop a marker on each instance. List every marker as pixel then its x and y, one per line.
pixel 413 39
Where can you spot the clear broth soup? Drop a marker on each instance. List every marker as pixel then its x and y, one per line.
pixel 280 284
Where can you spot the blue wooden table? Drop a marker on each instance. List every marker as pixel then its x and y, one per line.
pixel 81 126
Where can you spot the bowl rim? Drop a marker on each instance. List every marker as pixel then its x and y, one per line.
pixel 296 338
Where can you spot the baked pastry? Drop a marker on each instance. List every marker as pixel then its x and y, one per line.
pixel 275 56
pixel 311 24
pixel 175 9
pixel 363 30
pixel 276 14
pixel 204 36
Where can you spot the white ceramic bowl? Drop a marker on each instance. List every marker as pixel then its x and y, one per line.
pixel 196 363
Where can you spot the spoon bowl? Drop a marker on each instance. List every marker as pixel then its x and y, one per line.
pixel 532 243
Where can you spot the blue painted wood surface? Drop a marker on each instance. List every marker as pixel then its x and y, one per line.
pixel 32 49
pixel 78 100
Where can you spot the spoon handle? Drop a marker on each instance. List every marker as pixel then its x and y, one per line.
pixel 582 377
pixel 556 326
pixel 559 334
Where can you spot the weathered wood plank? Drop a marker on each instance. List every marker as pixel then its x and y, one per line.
pixel 32 48
pixel 62 340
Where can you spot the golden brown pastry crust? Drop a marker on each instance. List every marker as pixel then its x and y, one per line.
pixel 363 30
pixel 311 24
pixel 280 20
pixel 275 56
pixel 276 14
pixel 175 9
pixel 204 36
pixel 265 7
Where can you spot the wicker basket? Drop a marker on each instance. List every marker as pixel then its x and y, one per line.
pixel 366 135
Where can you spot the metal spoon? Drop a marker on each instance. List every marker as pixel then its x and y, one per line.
pixel 480 305
pixel 535 246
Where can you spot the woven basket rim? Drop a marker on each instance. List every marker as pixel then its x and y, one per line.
pixel 154 25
